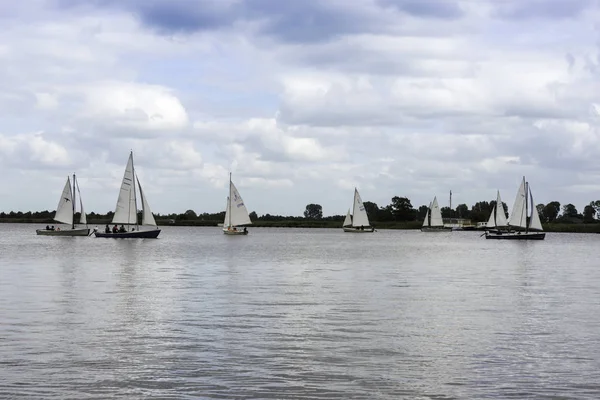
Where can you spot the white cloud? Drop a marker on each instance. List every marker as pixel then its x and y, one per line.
pixel 392 98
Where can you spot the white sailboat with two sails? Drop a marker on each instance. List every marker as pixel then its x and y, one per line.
pixel 65 213
pixel 126 212
pixel 236 213
pixel 497 221
pixel 433 221
pixel 358 221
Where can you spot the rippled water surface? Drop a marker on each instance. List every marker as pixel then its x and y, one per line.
pixel 299 314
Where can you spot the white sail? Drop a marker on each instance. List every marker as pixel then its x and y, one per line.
pixel 436 214
pixel 359 214
pixel 518 216
pixel 64 210
pixel 238 214
pixel 426 220
pixel 126 211
pixel 83 217
pixel 497 216
pixel 491 221
pixel 534 223
pixel 499 211
pixel 348 219
pixel 226 222
pixel 147 217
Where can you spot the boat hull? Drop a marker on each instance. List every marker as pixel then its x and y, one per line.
pixel 515 235
pixel 356 229
pixel 236 232
pixel 153 234
pixel 436 229
pixel 66 232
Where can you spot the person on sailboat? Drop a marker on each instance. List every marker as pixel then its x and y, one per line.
pixel 245 230
pixel 47 228
pixel 122 229
pixel 115 229
pixel 107 229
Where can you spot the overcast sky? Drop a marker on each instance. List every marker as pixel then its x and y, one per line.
pixel 302 100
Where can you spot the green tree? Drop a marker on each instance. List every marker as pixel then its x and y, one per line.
pixel 402 209
pixel 569 211
pixel 313 211
pixel 385 214
pixel 422 212
pixel 540 209
pixel 480 212
pixel 551 211
pixel 253 216
pixel 588 213
pixel 447 212
pixel 462 211
pixel 190 214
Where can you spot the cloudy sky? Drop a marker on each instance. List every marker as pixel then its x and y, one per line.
pixel 302 100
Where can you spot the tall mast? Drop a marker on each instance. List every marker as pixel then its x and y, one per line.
pixel 526 206
pixel 354 207
pixel 229 202
pixel 134 192
pixel 73 198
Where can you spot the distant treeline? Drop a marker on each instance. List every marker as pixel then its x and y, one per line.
pixel 399 214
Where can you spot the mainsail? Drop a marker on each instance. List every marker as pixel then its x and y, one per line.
pixel 436 214
pixel 238 214
pixel 518 216
pixel 64 210
pixel 359 214
pixel 126 210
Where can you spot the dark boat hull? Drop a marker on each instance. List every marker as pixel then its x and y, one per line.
pixel 516 236
pixel 153 234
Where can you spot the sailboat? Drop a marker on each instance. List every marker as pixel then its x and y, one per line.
pixel 433 221
pixel 126 210
pixel 236 213
pixel 358 221
pixel 65 213
pixel 524 215
pixel 497 221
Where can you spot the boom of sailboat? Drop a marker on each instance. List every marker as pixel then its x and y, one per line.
pixel 523 223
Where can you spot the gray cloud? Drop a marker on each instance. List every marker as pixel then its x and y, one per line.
pixel 306 21
pixel 535 9
pixel 442 9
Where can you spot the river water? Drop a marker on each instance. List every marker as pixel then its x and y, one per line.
pixel 299 314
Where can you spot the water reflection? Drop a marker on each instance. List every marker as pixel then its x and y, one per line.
pixel 298 314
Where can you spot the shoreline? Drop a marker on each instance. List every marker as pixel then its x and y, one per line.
pixel 413 225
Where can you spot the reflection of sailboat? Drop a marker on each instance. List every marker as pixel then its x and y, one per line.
pixel 433 221
pixel 524 215
pixel 65 213
pixel 497 220
pixel 358 221
pixel 126 210
pixel 236 213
